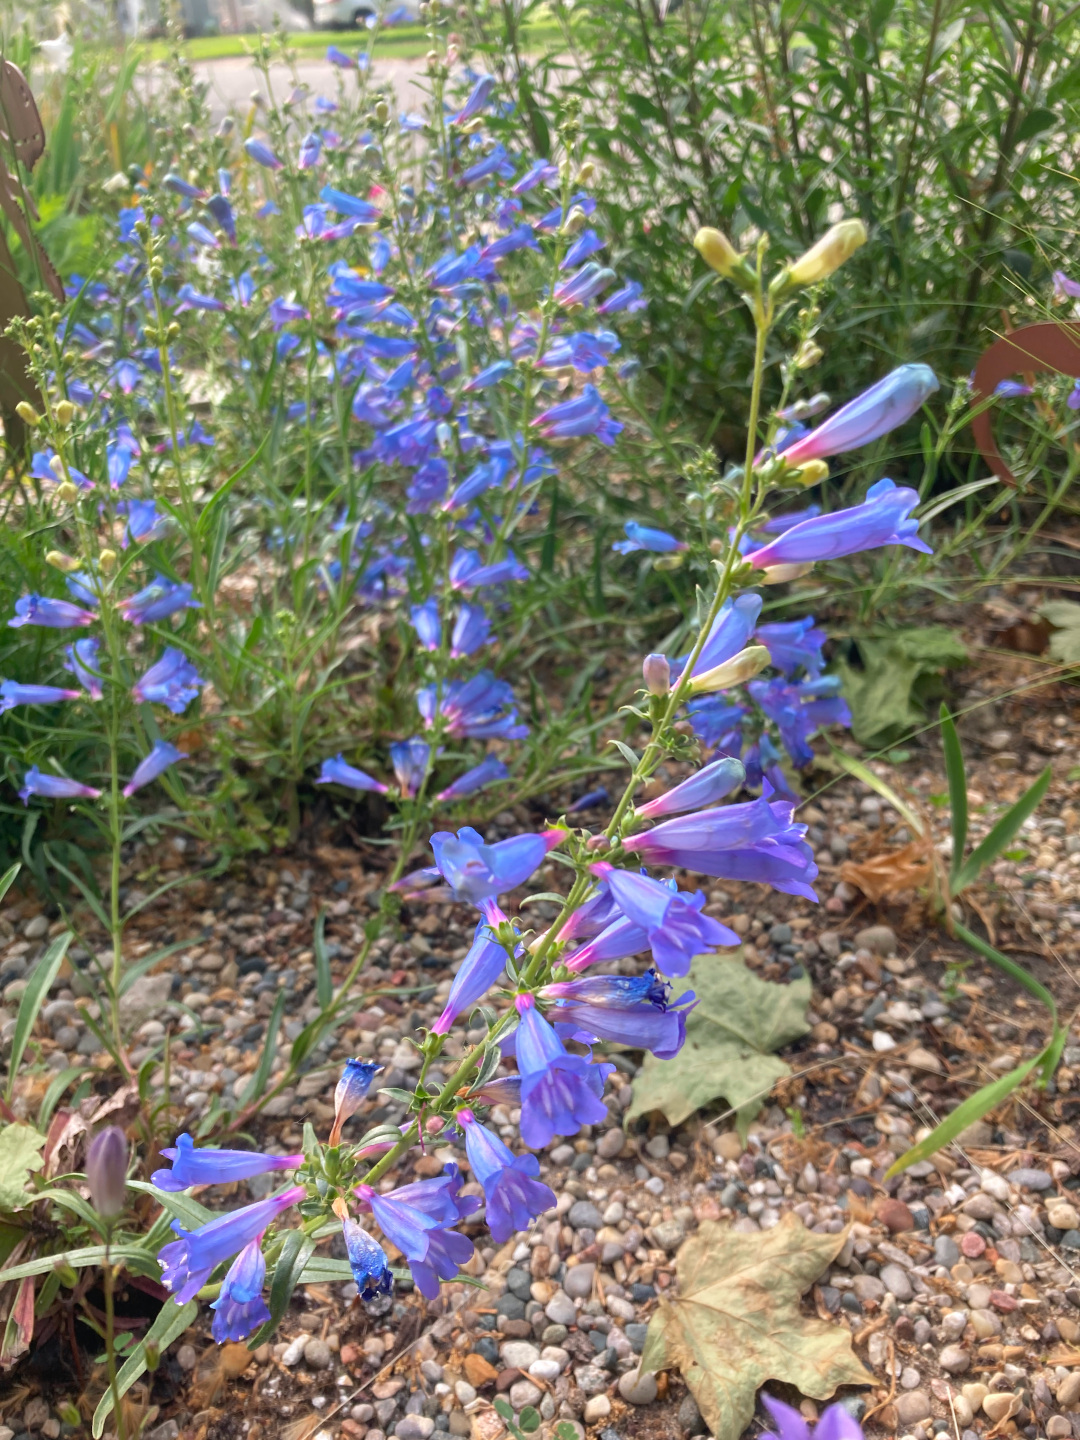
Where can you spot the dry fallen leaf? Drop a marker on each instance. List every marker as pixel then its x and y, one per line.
pixel 736 1321
pixel 891 872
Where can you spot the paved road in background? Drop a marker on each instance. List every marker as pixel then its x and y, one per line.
pixel 232 81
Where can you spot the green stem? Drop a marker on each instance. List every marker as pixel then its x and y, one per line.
pixel 110 1341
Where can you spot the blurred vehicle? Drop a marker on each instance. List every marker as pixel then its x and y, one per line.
pixel 351 14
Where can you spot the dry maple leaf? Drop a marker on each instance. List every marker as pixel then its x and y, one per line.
pixel 736 1321
pixel 891 872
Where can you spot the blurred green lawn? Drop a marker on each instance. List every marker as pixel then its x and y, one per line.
pixel 402 43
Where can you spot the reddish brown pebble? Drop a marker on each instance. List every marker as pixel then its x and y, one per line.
pixel 353 1427
pixel 972 1244
pixel 506 1378
pixel 1001 1300
pixel 895 1216
pixel 349 1354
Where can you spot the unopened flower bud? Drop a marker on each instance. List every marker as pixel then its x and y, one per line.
pixel 717 251
pixel 351 1089
pixel 173 331
pixel 116 184
pixel 64 411
pixel 67 493
pixel 781 574
pixel 656 672
pixel 382 112
pixel 56 465
pixel 27 414
pixel 597 842
pixel 586 173
pixel 59 561
pixel 838 244
pixel 107 561
pixel 574 221
pixel 807 355
pixel 106 1170
pixel 811 472
pixel 151 1355
pixel 226 127
pixel 736 671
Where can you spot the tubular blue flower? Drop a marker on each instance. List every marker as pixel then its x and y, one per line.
pixel 215 1167
pixel 479 96
pixel 629 297
pixel 158 600
pixel 589 801
pixel 496 162
pixel 187 1263
pixel 629 1010
pixel 54 787
pixel 219 207
pixel 50 614
pixel 558 1093
pixel 641 537
pixel 710 784
pixel 12 694
pixel 870 415
pixel 584 285
pixel 1013 390
pixel 587 243
pixel 350 1092
pixel 730 632
pixel 415 1218
pixel 884 518
pixel 540 172
pixel 618 939
pixel 514 1197
pixel 368 1261
pixel 82 662
pixel 503 1090
pixel 284 312
pixel 521 237
pixel 310 150
pixel 143 521
pixel 240 1308
pixel 262 154
pixel 477 709
pixel 836 1423
pixel 338 772
pixel 779 523
pixel 466 573
pixel 490 375
pixel 584 351
pixel 475 871
pixel 179 186
pixel 191 299
pixel 202 236
pixel 798 710
pixel 794 643
pixel 426 623
pixel 472 629
pixel 410 759
pixel 677 929
pixel 591 918
pixel 586 414
pixel 486 773
pixel 339 58
pixel 173 682
pixel 484 962
pixel 755 841
pixel 151 766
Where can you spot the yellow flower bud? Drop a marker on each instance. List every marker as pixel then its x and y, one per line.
pixel 717 251
pixel 807 355
pixel 64 411
pixel 116 184
pixel 838 244
pixel 27 414
pixel 781 574
pixel 736 671
pixel 811 472
pixel 56 465
pixel 67 493
pixel 586 173
pixel 107 561
pixel 574 221
pixel 59 561
pixel 382 112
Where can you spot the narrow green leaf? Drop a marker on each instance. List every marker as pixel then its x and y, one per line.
pixel 296 1251
pixel 1010 967
pixel 990 848
pixel 57 1085
pixel 41 978
pixel 176 1204
pixel 324 984
pixel 972 1109
pixel 266 1059
pixel 866 775
pixel 8 878
pixel 171 1322
pixel 140 967
pixel 77 1259
pixel 221 494
pixel 954 770
pixel 325 1270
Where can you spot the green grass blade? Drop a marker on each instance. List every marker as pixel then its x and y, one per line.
pixel 8 878
pixel 972 1109
pixel 1017 972
pixel 866 775
pixel 41 978
pixel 266 1059
pixel 172 1320
pixel 958 800
pixel 324 983
pixel 990 848
pixel 295 1254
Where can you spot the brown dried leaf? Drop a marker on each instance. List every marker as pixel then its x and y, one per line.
pixel 736 1321
pixel 891 872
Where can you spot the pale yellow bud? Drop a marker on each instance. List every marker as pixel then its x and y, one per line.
pixel 574 221
pixel 56 465
pixel 807 355
pixel 27 414
pixel 810 472
pixel 586 173
pixel 64 411
pixel 59 561
pixel 107 561
pixel 717 251
pixel 382 112
pixel 781 574
pixel 116 184
pixel 736 671
pixel 838 244
pixel 67 493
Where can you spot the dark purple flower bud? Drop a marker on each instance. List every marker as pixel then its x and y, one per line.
pixel 106 1170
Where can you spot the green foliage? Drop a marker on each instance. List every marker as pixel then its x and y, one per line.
pixel 20 1153
pixel 1064 616
pixel 898 673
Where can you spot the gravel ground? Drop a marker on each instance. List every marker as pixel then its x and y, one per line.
pixel 959 1281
